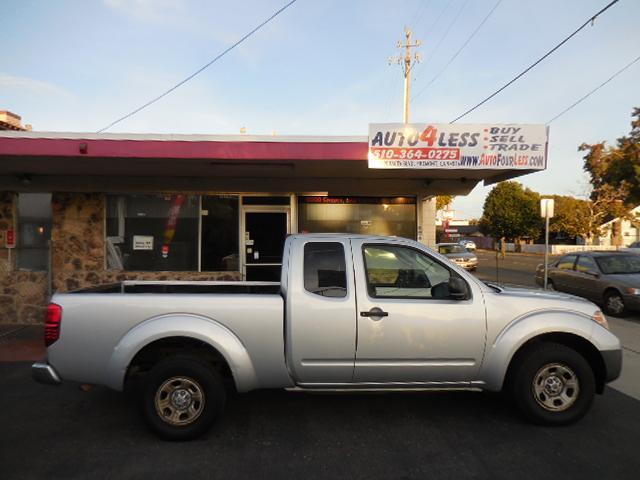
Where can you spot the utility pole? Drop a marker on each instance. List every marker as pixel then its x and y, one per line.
pixel 406 60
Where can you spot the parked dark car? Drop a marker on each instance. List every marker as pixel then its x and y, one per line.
pixel 611 279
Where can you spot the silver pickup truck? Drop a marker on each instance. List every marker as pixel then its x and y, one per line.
pixel 351 312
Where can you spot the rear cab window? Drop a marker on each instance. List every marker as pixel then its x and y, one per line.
pixel 325 269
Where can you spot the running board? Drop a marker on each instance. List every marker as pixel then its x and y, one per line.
pixel 387 387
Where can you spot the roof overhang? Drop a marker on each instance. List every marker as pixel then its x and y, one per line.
pixel 50 161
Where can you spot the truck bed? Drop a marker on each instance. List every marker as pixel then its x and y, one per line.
pixel 98 323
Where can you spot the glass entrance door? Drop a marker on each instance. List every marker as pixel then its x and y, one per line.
pixel 264 234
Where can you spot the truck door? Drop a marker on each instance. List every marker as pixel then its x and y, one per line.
pixel 320 311
pixel 409 331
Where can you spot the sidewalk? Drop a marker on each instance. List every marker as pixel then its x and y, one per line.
pixel 519 254
pixel 21 343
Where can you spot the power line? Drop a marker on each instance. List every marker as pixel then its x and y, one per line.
pixel 446 32
pixel 434 23
pixel 424 7
pixel 200 70
pixel 513 80
pixel 455 55
pixel 584 97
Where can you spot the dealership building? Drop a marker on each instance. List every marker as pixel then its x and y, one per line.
pixel 80 210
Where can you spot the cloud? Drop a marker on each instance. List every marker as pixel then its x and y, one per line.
pixel 10 82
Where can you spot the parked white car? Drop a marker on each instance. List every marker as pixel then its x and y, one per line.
pixel 468 244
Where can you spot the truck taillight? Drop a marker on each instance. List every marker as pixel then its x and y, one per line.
pixel 52 324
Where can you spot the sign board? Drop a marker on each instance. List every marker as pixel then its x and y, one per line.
pixel 11 238
pixel 546 207
pixel 458 146
pixel 143 242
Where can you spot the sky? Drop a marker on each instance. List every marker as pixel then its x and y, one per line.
pixel 321 68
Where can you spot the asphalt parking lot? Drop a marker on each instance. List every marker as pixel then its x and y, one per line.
pixel 63 432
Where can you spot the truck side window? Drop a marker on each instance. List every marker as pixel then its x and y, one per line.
pixel 401 272
pixel 324 269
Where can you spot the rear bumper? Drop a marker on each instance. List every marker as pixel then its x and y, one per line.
pixel 45 373
pixel 612 364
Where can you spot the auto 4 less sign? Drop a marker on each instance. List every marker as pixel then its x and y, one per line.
pixel 435 145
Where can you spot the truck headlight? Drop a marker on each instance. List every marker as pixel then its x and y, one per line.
pixel 632 291
pixel 599 318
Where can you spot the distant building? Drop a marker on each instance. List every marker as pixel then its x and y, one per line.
pixel 620 231
pixel 11 121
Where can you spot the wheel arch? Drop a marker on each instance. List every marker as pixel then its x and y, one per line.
pixel 156 351
pixel 576 342
pixel 610 288
pixel 178 334
pixel 568 327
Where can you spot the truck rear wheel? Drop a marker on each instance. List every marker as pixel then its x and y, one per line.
pixel 181 398
pixel 553 385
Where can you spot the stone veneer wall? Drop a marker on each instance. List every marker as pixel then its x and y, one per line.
pixel 78 257
pixel 23 295
pixel 78 240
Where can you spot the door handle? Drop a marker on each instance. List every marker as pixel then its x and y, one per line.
pixel 375 312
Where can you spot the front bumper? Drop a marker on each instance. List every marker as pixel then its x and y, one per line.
pixel 45 373
pixel 612 364
pixel 632 302
pixel 467 265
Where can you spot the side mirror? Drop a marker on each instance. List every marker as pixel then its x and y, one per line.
pixel 458 288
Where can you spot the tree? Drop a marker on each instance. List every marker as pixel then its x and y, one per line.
pixel 614 174
pixel 571 217
pixel 442 201
pixel 616 167
pixel 511 212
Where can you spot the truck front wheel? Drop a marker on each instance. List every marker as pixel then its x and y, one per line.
pixel 553 385
pixel 181 398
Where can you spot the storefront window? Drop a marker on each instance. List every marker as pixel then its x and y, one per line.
pixel 152 232
pixel 163 232
pixel 220 233
pixel 368 215
pixel 34 231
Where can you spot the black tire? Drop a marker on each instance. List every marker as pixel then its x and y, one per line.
pixel 195 410
pixel 550 409
pixel 614 304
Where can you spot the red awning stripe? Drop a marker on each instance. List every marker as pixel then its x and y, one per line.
pixel 183 149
